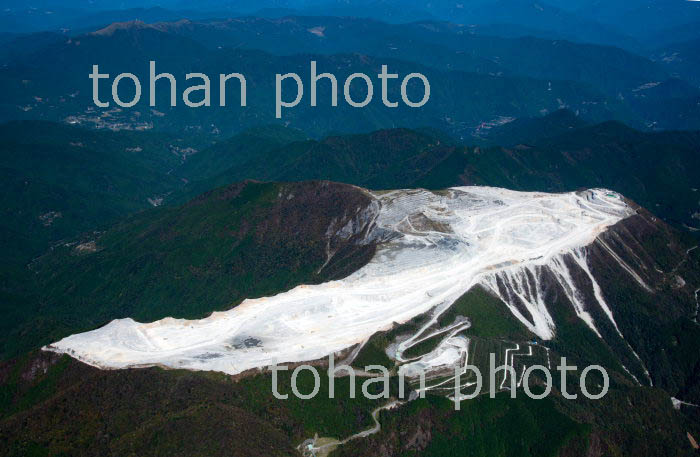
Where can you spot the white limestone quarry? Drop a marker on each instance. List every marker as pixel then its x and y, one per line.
pixel 436 247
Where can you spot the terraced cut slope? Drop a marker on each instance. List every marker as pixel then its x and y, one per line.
pixel 433 247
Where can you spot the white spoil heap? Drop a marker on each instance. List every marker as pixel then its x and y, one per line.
pixel 443 244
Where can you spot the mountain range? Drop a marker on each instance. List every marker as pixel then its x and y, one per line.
pixel 250 242
pixel 616 22
pixel 477 80
pixel 542 205
pixel 645 269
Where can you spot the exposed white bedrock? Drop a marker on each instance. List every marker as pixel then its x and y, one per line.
pixel 439 246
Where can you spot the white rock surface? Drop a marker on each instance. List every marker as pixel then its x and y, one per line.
pixel 441 244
